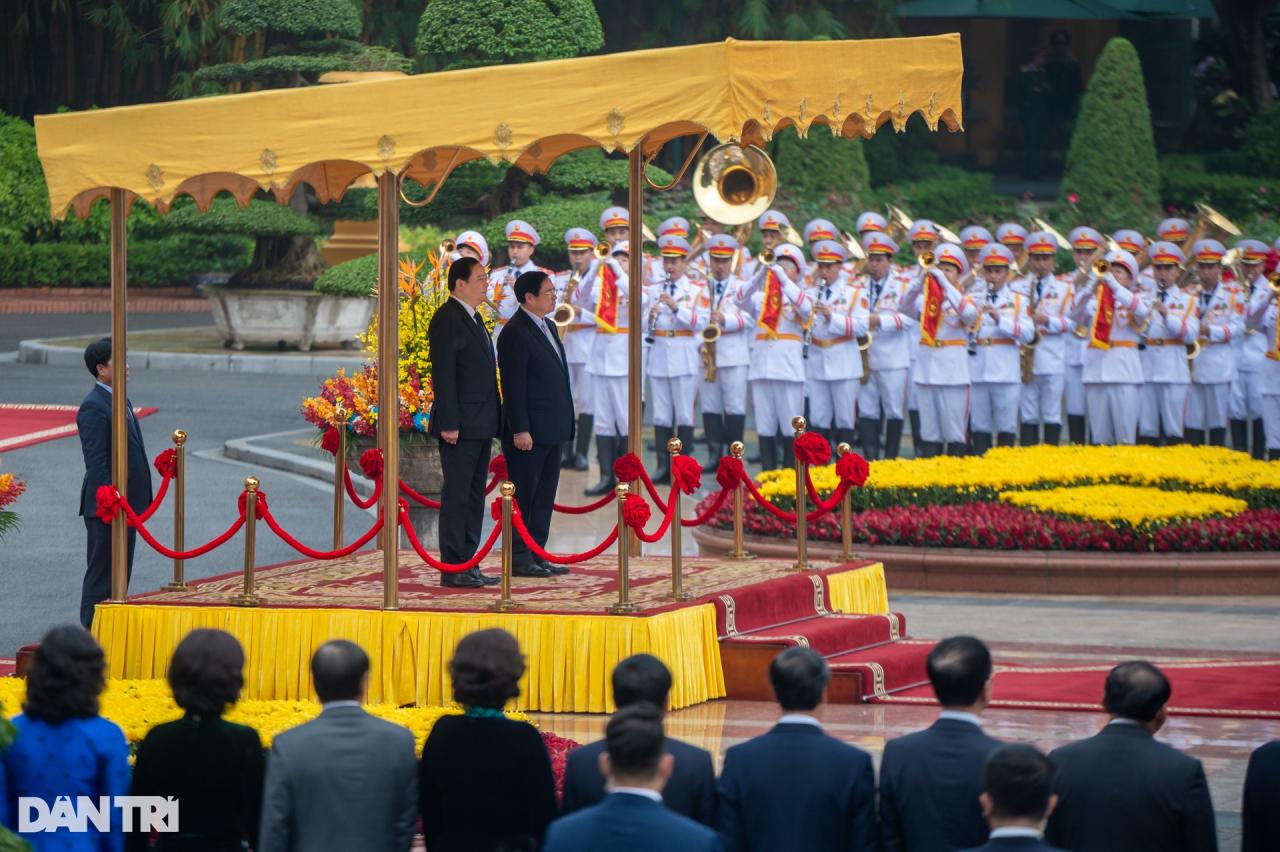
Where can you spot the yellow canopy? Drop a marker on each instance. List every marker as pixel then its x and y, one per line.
pixel 421 126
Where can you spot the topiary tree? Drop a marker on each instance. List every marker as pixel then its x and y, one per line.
pixel 1261 148
pixel 821 164
pixel 1111 163
pixel 284 252
pixel 469 33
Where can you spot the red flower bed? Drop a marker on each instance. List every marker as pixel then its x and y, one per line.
pixel 558 749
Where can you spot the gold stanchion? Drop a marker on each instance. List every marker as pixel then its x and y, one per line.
pixel 248 597
pixel 389 386
pixel 739 553
pixel 674 446
pixel 179 581
pixel 846 513
pixel 119 391
pixel 505 603
pixel 339 480
pixel 802 502
pixel 624 606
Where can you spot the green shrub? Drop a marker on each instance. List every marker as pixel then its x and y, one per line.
pixel 469 33
pixel 1111 162
pixel 591 170
pixel 24 201
pixel 552 219
pixel 152 263
pixel 258 218
pixel 359 277
pixel 1235 196
pixel 821 164
pixel 907 156
pixel 1261 149
pixel 296 17
pixel 950 196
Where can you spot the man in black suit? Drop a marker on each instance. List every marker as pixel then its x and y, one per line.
pixel 930 780
pixel 691 789
pixel 465 416
pixel 632 818
pixel 93 421
pixel 795 787
pixel 1016 799
pixel 538 409
pixel 1123 791
pixel 1261 792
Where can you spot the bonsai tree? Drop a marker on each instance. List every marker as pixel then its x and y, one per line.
pixel 284 252
pixel 1111 172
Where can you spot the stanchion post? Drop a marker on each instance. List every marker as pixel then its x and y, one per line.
pixel 248 597
pixel 739 553
pixel 505 603
pixel 339 479
pixel 846 513
pixel 179 581
pixel 674 447
pixel 624 606
pixel 802 501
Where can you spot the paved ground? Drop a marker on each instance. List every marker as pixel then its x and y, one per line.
pixel 18 327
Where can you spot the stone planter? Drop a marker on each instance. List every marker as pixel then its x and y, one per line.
pixel 287 317
pixel 420 470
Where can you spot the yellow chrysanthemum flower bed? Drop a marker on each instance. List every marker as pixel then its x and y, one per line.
pixel 1134 506
pixel 139 705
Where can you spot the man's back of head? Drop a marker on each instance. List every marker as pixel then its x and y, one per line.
pixel 799 678
pixel 1137 691
pixel 641 677
pixel 634 747
pixel 1017 786
pixel 960 670
pixel 338 671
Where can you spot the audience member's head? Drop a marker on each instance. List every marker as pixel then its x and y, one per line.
pixel 641 677
pixel 207 672
pixel 340 671
pixel 1137 690
pixel 97 354
pixel 66 677
pixel 460 270
pixel 799 679
pixel 960 671
pixel 486 669
pixel 634 754
pixel 1017 783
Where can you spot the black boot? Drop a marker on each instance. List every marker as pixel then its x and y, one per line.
pixel 958 449
pixel 1273 455
pixel 662 474
pixel 1006 439
pixel 586 424
pixel 1029 434
pixel 1259 439
pixel 913 416
pixel 892 438
pixel 685 434
pixel 768 452
pixel 606 452
pixel 1240 435
pixel 1148 440
pixel 1218 437
pixel 1075 429
pixel 1052 434
pixel 735 428
pixel 1172 440
pixel 980 442
pixel 927 449
pixel 1195 437
pixel 788 450
pixel 869 437
pixel 566 456
pixel 713 426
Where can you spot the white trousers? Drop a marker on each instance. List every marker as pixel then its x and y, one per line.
pixel 775 403
pixel 609 405
pixel 1207 406
pixel 1271 419
pixel 993 406
pixel 1246 396
pixel 727 394
pixel 884 394
pixel 913 401
pixel 1042 399
pixel 1164 405
pixel 944 411
pixel 580 385
pixel 1073 384
pixel 673 400
pixel 833 403
pixel 1113 412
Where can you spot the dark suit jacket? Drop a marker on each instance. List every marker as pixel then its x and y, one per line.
pixel 797 788
pixel 1261 795
pixel 1124 791
pixel 626 822
pixel 1015 844
pixel 535 382
pixel 215 769
pixel 929 787
pixel 463 375
pixel 345 780
pixel 93 421
pixel 690 791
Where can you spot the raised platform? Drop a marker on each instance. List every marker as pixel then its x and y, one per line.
pixel 563 625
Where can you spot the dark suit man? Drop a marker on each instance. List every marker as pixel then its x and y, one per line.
pixel 1261 792
pixel 538 412
pixel 632 818
pixel 930 780
pixel 345 780
pixel 1121 790
pixel 93 421
pixel 465 416
pixel 795 787
pixel 1016 798
pixel 691 789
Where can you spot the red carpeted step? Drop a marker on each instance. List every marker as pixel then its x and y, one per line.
pixel 828 634
pixel 780 601
pixel 886 668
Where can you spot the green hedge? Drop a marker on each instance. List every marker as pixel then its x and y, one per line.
pixel 1184 181
pixel 950 196
pixel 152 263
pixel 1261 148
pixel 552 219
pixel 358 277
pixel 821 164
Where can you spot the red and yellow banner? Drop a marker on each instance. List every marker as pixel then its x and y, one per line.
pixel 771 310
pixel 607 306
pixel 1103 318
pixel 931 317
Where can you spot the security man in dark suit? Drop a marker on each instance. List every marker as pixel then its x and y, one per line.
pixel 1261 792
pixel 538 408
pixel 1017 797
pixel 795 787
pixel 930 780
pixel 93 421
pixel 465 416
pixel 1123 791
pixel 691 789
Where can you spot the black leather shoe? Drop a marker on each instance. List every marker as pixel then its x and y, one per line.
pixel 462 580
pixel 580 463
pixel 553 568
pixel 534 570
pixel 486 579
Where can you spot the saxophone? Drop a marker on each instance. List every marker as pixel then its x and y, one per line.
pixel 709 335
pixel 1027 351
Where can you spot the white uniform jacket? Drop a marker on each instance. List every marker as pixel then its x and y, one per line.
pixel 1120 364
pixel 947 361
pixel 776 354
pixel 733 349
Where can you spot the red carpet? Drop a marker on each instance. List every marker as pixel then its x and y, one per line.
pixel 24 425
pixel 1240 688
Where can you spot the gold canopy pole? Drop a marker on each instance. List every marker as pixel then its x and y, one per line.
pixel 389 380
pixel 119 392
pixel 635 298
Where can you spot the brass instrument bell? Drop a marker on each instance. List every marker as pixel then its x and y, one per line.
pixel 734 184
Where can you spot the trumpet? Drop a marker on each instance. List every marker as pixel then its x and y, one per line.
pixel 766 256
pixel 1101 267
pixel 447 247
pixel 928 260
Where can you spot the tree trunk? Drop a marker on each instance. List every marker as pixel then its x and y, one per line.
pixel 1259 80
pixel 508 195
pixel 281 263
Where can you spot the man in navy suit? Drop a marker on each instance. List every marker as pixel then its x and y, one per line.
pixel 930 780
pixel 632 818
pixel 1123 791
pixel 1261 792
pixel 1016 799
pixel 93 421
pixel 691 789
pixel 795 787
pixel 538 409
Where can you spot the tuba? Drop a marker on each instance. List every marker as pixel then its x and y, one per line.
pixel 734 184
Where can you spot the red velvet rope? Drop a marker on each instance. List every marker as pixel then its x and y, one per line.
pixel 159 498
pixel 420 499
pixel 517 524
pixel 109 500
pixel 629 468
pixel 706 516
pixel 445 567
pixel 366 502
pixel 782 514
pixel 637 526
pixel 823 506
pixel 264 512
pixel 812 449
pixel 588 508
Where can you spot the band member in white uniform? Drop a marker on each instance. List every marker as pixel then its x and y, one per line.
pixel 673 359
pixel 838 320
pixel 578 339
pixel 1222 313
pixel 1172 324
pixel 472 244
pixel 1050 297
pixel 1004 323
pixel 771 225
pixel 1012 236
pixel 522 239
pixel 942 362
pixel 974 239
pixel 1084 242
pixel 1245 408
pixel 924 236
pixel 723 399
pixel 1264 318
pixel 893 333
